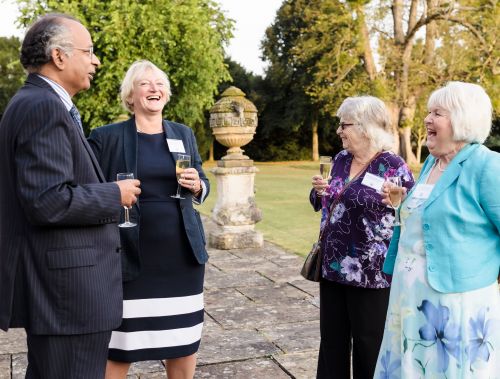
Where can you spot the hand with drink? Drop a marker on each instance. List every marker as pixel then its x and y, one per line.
pixel 187 176
pixel 129 189
pixel 393 194
pixel 320 182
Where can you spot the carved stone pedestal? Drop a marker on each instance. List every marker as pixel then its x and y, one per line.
pixel 235 211
pixel 233 120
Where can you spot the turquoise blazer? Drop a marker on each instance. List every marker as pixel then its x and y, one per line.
pixel 460 223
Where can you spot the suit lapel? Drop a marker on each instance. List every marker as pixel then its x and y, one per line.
pixel 130 146
pixel 36 80
pixel 97 168
pixel 451 173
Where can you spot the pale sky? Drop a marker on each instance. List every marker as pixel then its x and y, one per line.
pixel 252 18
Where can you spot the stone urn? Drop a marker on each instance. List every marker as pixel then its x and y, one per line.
pixel 233 120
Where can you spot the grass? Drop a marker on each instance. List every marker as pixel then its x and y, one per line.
pixel 282 193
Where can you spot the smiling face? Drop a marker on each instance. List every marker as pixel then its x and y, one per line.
pixel 78 68
pixel 353 140
pixel 439 132
pixel 149 94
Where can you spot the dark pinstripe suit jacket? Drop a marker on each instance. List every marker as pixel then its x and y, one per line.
pixel 59 270
pixel 115 147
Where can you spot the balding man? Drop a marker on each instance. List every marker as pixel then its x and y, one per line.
pixel 60 265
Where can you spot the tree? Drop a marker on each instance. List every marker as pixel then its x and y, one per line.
pixel 11 71
pixel 290 110
pixel 323 51
pixel 183 38
pixel 427 44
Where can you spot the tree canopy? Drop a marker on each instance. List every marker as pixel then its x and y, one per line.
pixel 184 38
pixel 321 51
pixel 11 71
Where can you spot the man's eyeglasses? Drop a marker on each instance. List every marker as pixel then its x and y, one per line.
pixel 344 125
pixel 89 50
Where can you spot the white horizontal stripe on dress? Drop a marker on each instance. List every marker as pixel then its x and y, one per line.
pixel 151 339
pixel 169 306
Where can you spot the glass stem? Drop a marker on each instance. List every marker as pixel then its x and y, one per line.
pixel 396 216
pixel 178 190
pixel 127 218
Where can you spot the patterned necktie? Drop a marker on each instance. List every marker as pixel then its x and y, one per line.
pixel 76 117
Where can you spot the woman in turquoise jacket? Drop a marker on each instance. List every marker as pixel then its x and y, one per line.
pixel 443 319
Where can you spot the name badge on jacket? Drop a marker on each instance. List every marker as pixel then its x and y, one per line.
pixel 175 145
pixel 373 181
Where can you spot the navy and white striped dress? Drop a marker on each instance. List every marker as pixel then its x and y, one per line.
pixel 163 307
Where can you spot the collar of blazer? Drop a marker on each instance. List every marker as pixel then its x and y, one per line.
pixel 451 173
pixel 130 142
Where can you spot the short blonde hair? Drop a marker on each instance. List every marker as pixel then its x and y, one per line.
pixel 372 117
pixel 135 71
pixel 470 110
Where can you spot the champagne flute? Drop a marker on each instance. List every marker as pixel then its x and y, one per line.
pixel 325 166
pixel 395 196
pixel 183 161
pixel 127 223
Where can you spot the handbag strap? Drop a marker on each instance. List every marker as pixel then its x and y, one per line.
pixel 339 195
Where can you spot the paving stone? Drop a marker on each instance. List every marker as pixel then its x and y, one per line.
pixel 255 315
pixel 13 342
pixel 146 367
pixel 19 364
pixel 218 300
pixel 294 337
pixel 247 263
pixel 299 365
pixel 5 366
pixel 217 279
pixel 278 274
pixel 252 369
pixel 221 255
pixel 220 345
pixel 272 294
pixel 311 288
pixel 289 260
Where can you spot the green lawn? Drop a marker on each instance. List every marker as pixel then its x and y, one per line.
pixel 282 193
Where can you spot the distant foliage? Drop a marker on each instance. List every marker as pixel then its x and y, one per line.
pixel 184 38
pixel 11 72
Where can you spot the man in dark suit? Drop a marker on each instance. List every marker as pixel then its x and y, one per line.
pixel 60 273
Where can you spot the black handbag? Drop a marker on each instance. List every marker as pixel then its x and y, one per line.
pixel 311 269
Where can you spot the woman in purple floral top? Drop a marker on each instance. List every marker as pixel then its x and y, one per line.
pixel 354 292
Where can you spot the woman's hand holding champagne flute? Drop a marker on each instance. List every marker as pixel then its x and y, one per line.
pixel 393 194
pixel 320 182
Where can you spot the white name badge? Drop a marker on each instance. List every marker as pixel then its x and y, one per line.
pixel 175 145
pixel 373 181
pixel 423 191
pixel 419 196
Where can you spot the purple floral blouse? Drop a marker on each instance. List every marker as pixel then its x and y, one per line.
pixel 356 236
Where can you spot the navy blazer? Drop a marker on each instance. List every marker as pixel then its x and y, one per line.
pixel 58 234
pixel 115 147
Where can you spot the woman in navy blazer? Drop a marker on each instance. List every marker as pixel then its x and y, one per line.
pixel 443 318
pixel 163 257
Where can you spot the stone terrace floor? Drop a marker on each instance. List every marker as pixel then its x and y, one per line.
pixel 261 321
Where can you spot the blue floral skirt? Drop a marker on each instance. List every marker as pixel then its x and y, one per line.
pixel 429 334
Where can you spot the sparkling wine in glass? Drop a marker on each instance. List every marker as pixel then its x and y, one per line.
pixel 325 166
pixel 127 223
pixel 395 196
pixel 183 161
